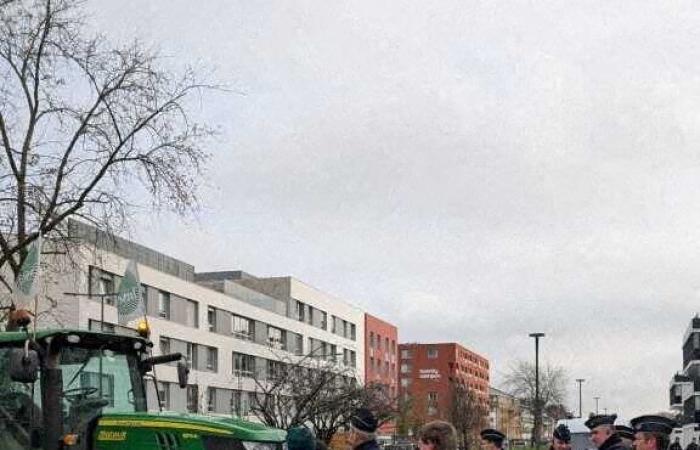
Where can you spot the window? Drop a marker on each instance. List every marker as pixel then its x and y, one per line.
pixel 192 398
pixel 240 403
pixel 164 345
pixel 211 318
pixel 352 331
pixel 243 365
pixel 432 398
pixel 432 352
pixel 353 359
pixel 371 363
pixel 300 311
pixel 393 347
pixel 405 368
pixel 346 329
pixel 405 382
pixel 379 342
pixel 324 320
pixel 191 355
pixel 144 296
pixel 92 380
pixel 274 368
pixel 274 337
pixel 386 344
pixel 192 313
pixel 105 286
pixel 333 354
pixel 242 328
pixel 406 354
pixel 333 327
pixel 432 410
pixel 164 394
pixel 211 397
pixel 310 316
pixel 299 341
pixel 371 339
pixel 164 304
pixel 212 359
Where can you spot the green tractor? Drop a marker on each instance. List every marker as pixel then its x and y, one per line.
pixel 84 390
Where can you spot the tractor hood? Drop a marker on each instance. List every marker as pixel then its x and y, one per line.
pixel 191 424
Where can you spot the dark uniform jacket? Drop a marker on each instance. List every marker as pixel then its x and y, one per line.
pixel 612 443
pixel 369 445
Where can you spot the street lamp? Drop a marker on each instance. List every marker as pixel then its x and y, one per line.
pixel 579 381
pixel 596 404
pixel 535 438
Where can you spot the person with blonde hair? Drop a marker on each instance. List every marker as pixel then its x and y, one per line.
pixel 437 435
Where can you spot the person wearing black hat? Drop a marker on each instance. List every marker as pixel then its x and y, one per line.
pixel 363 428
pixel 561 438
pixel 626 435
pixel 652 432
pixel 492 439
pixel 603 433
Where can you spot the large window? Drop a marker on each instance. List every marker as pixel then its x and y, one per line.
pixel 432 352
pixel 275 337
pixel 242 328
pixel 192 398
pixel 300 310
pixel 212 359
pixel 191 354
pixel 243 365
pixel 164 346
pixel 164 304
pixel 211 318
pixel 164 394
pixel 192 313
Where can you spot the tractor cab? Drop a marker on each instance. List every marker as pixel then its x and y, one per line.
pixel 77 389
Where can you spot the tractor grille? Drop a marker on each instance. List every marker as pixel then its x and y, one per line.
pixel 167 441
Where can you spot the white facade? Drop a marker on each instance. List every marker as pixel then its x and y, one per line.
pixel 202 322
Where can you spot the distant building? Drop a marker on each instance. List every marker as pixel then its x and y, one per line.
pixel 505 414
pixel 684 388
pixel 381 360
pixel 429 373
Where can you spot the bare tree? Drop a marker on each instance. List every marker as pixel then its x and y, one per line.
pixel 87 130
pixel 317 392
pixel 520 382
pixel 466 414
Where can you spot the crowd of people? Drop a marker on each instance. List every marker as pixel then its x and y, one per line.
pixel 649 432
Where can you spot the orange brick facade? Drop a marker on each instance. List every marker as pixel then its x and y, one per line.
pixel 381 358
pixel 427 373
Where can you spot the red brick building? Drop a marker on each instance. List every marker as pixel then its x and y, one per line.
pixel 381 358
pixel 428 373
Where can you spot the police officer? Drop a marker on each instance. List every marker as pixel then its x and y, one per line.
pixel 492 439
pixel 603 433
pixel 626 435
pixel 561 438
pixel 363 430
pixel 652 432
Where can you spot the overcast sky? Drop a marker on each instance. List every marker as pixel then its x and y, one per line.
pixel 470 171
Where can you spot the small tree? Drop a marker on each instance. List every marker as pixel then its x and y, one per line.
pixel 466 414
pixel 520 382
pixel 315 391
pixel 87 130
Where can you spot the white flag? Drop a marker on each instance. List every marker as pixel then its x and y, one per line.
pixel 129 299
pixel 26 282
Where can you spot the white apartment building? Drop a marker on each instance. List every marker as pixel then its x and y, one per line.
pixel 231 326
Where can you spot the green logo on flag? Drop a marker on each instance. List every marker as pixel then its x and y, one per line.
pixel 129 300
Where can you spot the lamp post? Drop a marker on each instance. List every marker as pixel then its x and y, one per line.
pixel 535 438
pixel 596 404
pixel 579 381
